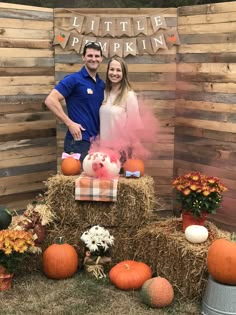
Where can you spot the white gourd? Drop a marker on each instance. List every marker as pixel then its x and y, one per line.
pixel 196 234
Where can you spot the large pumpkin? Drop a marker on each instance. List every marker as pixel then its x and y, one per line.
pixel 60 261
pixel 157 292
pixel 70 166
pixel 130 274
pixel 5 218
pixel 101 165
pixel 221 261
pixel 134 166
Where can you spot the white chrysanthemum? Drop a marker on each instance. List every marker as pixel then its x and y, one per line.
pixel 92 244
pixel 85 237
pixel 96 229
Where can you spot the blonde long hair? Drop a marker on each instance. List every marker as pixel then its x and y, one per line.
pixel 125 85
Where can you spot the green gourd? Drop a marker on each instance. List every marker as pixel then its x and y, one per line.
pixel 5 218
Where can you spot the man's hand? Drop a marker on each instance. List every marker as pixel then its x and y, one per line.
pixel 75 130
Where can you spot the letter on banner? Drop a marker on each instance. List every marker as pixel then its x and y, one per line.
pixel 140 25
pixel 104 42
pixel 116 47
pixel 129 46
pixel 158 41
pixel 123 26
pixel 77 22
pixel 75 41
pixel 144 45
pixel 158 22
pixel 108 26
pixel 91 25
pixel 86 39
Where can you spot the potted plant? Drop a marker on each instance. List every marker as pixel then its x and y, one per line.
pixel 14 247
pixel 97 242
pixel 198 195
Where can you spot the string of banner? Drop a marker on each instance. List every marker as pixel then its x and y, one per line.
pixel 120 36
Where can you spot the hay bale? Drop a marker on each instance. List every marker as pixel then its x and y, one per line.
pixel 163 246
pixel 135 202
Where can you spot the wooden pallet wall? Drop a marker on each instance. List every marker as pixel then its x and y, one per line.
pixel 153 75
pixel 27 129
pixel 205 134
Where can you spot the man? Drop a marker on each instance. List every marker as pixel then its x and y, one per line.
pixel 83 92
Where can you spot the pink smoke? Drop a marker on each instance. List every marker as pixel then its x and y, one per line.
pixel 136 134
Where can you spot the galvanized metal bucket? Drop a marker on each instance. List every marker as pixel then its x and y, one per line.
pixel 219 299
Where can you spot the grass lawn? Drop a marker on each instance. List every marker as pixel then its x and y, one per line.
pixel 82 294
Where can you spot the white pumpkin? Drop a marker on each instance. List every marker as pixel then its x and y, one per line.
pixel 101 165
pixel 196 234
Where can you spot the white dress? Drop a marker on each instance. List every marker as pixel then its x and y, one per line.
pixel 119 121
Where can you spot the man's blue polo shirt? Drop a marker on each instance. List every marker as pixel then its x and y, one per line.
pixel 83 98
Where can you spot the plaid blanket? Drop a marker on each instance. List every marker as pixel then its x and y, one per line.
pixel 95 189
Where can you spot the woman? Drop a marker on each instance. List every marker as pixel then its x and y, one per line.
pixel 119 113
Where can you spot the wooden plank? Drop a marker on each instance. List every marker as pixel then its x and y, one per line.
pixel 207 57
pixel 27 62
pixel 131 67
pixel 211 125
pixel 25 117
pixel 10 6
pixel 34 89
pixel 24 126
pixel 26 80
pixel 206 87
pixel 204 48
pixel 206 28
pixel 206 106
pixel 208 97
pixel 206 77
pixel 207 18
pixel 72 58
pixel 206 67
pixel 205 38
pixel 20 201
pixel 26 24
pixel 223 174
pixel 17 107
pixel 28 134
pixel 23 71
pixel 23 52
pixel 207 8
pixel 26 43
pixel 118 12
pixel 23 182
pixel 26 33
pixel 206 133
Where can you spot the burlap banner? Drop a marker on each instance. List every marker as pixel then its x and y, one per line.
pixel 121 36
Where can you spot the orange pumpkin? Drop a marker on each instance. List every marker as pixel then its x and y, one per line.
pixel 60 261
pixel 157 292
pixel 134 165
pixel 221 261
pixel 130 274
pixel 70 166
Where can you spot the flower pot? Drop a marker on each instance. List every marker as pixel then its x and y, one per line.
pixel 5 281
pixel 189 219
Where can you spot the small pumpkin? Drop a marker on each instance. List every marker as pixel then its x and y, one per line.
pixel 221 260
pixel 60 260
pixel 196 234
pixel 5 218
pixel 130 274
pixel 70 166
pixel 134 166
pixel 157 292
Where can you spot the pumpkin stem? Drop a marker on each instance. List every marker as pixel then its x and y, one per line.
pixel 233 237
pixel 60 240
